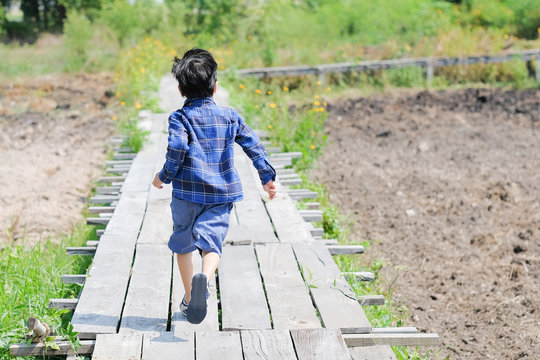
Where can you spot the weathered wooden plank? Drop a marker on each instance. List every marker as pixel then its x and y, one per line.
pixel 39 349
pixel 345 249
pixel 104 199
pixel 366 300
pixel 317 232
pixel 359 276
pixel 218 345
pixel 62 303
pixel 311 215
pixel 108 179
pixel 147 302
pixel 82 250
pixel 73 279
pixel 102 297
pixel 101 209
pixel 171 345
pixel 251 211
pixel 158 225
pixel 312 205
pixel 395 330
pixel 377 352
pixel 319 344
pixel 124 156
pixel 292 181
pixel 288 223
pixel 97 221
pixel 108 190
pixel 300 194
pixel 289 300
pixel 267 344
pixel 291 154
pixel 281 172
pixel 118 162
pixel 178 321
pixel 335 300
pixel 92 243
pixel 118 347
pixel 243 303
pixel 100 232
pixel 391 339
pixel 117 170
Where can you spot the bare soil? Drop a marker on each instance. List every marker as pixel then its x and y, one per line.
pixel 53 131
pixel 447 185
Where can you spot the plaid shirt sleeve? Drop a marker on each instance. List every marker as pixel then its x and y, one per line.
pixel 176 149
pixel 254 149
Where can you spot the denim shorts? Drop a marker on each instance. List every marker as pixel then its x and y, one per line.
pixel 200 227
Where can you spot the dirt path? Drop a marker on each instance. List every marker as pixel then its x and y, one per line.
pixel 52 135
pixel 449 182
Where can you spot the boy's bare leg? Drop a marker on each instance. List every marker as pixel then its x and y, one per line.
pixel 185 265
pixel 210 262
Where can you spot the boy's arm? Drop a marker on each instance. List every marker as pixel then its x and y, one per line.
pixel 176 149
pixel 254 149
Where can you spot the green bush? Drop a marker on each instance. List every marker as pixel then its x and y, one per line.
pixel 78 33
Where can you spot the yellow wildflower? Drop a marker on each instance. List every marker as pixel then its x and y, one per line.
pixel 269 126
pixel 122 103
pixel 242 86
pixel 256 106
pixel 114 117
pixel 117 93
pixel 138 106
pixel 316 96
pixel 269 92
pixel 272 105
pixel 250 37
pixel 117 74
pixel 408 48
pixel 258 91
pixel 328 89
pixel 312 147
pixel 319 82
pixel 324 103
pixel 143 70
pixel 285 89
pixel 137 60
pixel 317 103
pixel 147 39
pixel 506 36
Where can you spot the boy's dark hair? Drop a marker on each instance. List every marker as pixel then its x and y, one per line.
pixel 196 73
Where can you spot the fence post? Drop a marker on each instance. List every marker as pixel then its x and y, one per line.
pixel 429 72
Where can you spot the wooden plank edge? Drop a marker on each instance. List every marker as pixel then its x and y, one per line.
pixel 345 249
pixel 73 279
pixel 367 300
pixel 87 347
pixel 70 304
pixel 354 340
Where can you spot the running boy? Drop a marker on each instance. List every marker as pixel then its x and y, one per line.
pixel 200 164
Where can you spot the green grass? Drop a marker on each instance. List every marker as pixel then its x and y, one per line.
pixel 30 276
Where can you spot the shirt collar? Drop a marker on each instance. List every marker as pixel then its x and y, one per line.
pixel 199 101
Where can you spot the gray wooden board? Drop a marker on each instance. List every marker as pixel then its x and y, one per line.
pixel 267 345
pixel 331 293
pixel 128 215
pixel 392 339
pixel 319 344
pixel 243 304
pixel 147 303
pixel 218 345
pixel 157 226
pixel 251 211
pixel 377 352
pixel 118 347
pixel 289 224
pixel 178 321
pixel 40 349
pixel 102 297
pixel 171 345
pixel 288 297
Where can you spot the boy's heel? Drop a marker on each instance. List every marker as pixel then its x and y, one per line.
pixel 197 305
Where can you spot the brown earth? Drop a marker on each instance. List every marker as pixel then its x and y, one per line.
pixel 53 131
pixel 447 184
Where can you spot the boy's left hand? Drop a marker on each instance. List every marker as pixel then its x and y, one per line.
pixel 157 182
pixel 271 189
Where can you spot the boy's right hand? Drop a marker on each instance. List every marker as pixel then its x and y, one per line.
pixel 271 189
pixel 157 182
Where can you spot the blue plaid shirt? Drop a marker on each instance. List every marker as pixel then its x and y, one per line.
pixel 200 153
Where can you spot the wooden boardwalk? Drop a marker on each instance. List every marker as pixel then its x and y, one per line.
pixel 277 293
